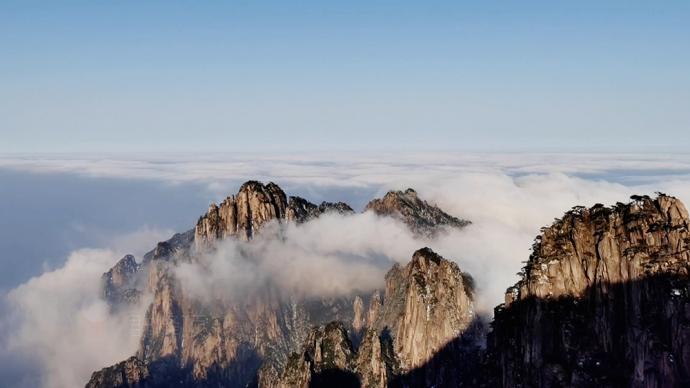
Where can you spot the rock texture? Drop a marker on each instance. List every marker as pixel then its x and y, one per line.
pixel 256 204
pixel 421 217
pixel 130 373
pixel 427 304
pixel 242 215
pixel 177 247
pixel 327 359
pixel 118 284
pixel 223 343
pixel 300 210
pixel 426 311
pixel 604 301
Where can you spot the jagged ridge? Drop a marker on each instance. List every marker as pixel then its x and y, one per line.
pixel 421 217
pixel 603 301
pixel 425 310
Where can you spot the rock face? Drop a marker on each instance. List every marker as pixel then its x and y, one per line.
pixel 255 204
pixel 604 301
pixel 129 373
pixel 243 214
pixel 428 303
pixel 196 343
pixel 300 210
pixel 327 359
pixel 118 283
pixel 426 311
pixel 226 342
pixel 421 217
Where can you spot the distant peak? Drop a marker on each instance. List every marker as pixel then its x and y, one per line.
pixel 423 218
pixel 256 204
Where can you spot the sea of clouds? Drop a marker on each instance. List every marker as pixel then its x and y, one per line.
pixel 57 324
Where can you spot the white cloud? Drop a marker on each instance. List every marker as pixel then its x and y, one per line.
pixel 59 323
pixel 330 256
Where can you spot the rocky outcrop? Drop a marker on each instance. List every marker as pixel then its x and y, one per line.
pixel 604 300
pixel 124 283
pixel 327 358
pixel 427 304
pixel 300 210
pixel 421 217
pixel 118 284
pixel 256 204
pixel 222 342
pixel 427 310
pixel 242 215
pixel 177 247
pixel 376 363
pixel 129 373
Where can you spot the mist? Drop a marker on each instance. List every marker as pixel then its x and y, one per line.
pixel 338 255
pixel 331 256
pixel 58 330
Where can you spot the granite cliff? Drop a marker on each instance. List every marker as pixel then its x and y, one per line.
pixel 243 215
pixel 603 301
pixel 426 309
pixel 422 218
pixel 191 342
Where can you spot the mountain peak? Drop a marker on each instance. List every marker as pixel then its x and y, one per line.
pixel 602 301
pixel 117 282
pixel 422 218
pixel 243 214
pixel 255 204
pixel 566 254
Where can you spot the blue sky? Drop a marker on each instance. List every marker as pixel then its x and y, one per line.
pixel 276 76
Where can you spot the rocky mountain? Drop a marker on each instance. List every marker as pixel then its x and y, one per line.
pixel 118 282
pixel 242 215
pixel 190 342
pixel 421 217
pixel 604 301
pixel 427 310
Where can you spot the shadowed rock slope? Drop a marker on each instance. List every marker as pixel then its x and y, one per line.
pixel 603 302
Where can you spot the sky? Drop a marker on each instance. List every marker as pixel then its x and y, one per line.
pixel 113 76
